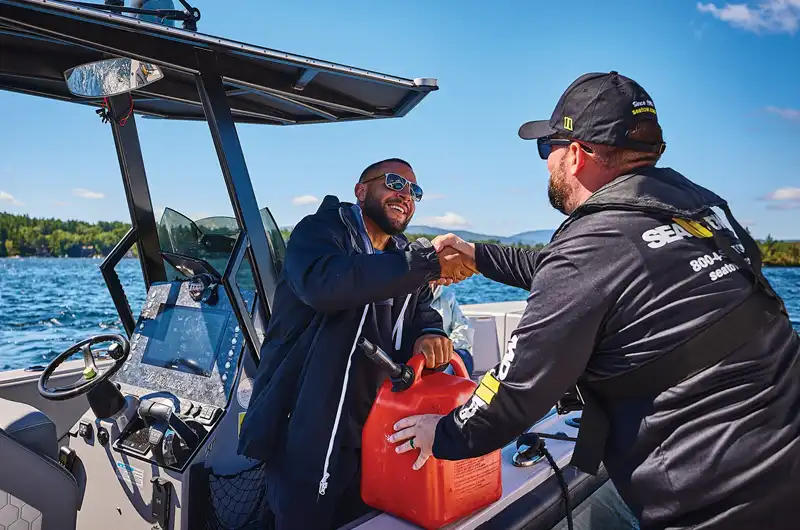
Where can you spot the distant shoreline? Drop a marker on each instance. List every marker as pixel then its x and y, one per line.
pixel 100 258
pixel 25 236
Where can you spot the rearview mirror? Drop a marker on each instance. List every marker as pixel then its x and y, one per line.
pixel 110 77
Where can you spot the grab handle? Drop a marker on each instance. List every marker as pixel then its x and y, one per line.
pixel 417 364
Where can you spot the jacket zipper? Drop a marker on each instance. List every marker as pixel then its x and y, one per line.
pixel 323 484
pixel 398 329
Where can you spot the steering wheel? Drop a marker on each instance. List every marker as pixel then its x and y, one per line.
pixel 91 376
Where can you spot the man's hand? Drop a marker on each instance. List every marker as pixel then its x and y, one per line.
pixel 452 240
pixel 437 349
pixel 456 257
pixel 420 432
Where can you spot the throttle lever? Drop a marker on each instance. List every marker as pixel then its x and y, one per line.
pixel 162 412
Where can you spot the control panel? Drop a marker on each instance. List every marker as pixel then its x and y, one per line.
pixel 181 370
pixel 189 348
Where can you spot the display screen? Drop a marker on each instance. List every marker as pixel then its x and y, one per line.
pixel 185 339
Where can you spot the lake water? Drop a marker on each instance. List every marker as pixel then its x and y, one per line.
pixel 48 304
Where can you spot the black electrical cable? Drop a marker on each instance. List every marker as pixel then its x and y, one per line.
pixel 536 446
pixel 560 477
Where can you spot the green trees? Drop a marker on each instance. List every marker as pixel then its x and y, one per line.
pixel 780 253
pixel 21 235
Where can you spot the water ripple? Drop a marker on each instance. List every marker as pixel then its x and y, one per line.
pixel 48 304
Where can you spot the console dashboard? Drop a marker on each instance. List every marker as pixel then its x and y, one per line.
pixel 185 353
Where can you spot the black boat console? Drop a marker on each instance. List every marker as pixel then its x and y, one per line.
pixel 180 373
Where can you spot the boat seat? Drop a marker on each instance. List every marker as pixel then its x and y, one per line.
pixel 485 348
pixel 36 492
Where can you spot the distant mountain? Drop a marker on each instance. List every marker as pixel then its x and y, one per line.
pixel 463 234
pixel 531 237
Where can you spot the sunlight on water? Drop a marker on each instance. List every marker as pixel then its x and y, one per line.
pixel 47 304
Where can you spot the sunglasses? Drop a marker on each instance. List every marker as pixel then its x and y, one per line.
pixel 546 145
pixel 397 182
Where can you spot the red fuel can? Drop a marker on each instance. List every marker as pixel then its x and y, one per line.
pixel 442 491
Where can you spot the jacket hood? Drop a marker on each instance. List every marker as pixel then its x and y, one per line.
pixel 331 203
pixel 347 212
pixel 658 190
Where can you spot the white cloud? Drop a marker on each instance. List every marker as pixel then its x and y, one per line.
pixel 302 200
pixel 7 197
pixel 784 194
pixel 775 16
pixel 87 194
pixel 785 113
pixel 448 220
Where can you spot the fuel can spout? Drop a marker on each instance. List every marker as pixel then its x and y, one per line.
pixel 401 375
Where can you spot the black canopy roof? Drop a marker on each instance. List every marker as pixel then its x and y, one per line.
pixel 40 39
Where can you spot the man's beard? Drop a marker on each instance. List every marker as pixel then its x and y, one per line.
pixel 557 188
pixel 373 209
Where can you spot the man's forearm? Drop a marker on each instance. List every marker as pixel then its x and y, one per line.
pixel 547 353
pixel 512 266
pixel 328 279
pixel 337 283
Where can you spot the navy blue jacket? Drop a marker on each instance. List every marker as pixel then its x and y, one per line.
pixel 329 280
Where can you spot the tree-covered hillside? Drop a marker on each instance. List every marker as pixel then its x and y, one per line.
pixel 21 235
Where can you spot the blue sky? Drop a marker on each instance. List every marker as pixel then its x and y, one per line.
pixel 724 78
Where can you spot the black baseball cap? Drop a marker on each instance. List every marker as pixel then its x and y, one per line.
pixel 599 108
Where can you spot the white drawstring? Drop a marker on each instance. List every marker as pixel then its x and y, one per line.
pixel 397 332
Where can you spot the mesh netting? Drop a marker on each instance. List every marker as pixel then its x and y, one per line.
pixel 236 501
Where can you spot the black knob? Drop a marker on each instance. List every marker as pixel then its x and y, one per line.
pixel 102 435
pixel 115 351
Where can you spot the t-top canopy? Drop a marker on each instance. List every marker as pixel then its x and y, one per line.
pixel 41 39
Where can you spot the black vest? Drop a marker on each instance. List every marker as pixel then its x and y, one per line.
pixel 667 193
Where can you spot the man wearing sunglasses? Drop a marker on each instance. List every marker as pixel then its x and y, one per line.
pixel 349 272
pixel 684 356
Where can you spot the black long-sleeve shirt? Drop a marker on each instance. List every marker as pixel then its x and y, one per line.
pixel 616 289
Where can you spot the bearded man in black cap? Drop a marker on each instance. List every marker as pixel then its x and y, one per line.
pixel 684 355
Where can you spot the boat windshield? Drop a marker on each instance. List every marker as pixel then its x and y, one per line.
pixel 212 239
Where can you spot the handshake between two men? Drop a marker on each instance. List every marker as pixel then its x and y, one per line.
pixel 456 257
pixel 457 262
